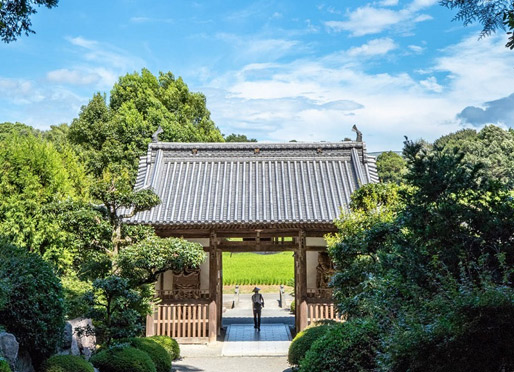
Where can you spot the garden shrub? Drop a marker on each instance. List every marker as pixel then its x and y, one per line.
pixel 155 351
pixel 4 365
pixel 123 359
pixel 34 312
pixel 303 341
pixel 349 346
pixel 170 344
pixel 66 363
pixel 473 335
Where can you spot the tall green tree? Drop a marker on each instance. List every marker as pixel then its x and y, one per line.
pixel 35 175
pixel 433 261
pixel 118 132
pixel 391 167
pixel 15 17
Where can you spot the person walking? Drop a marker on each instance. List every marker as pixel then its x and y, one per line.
pixel 258 304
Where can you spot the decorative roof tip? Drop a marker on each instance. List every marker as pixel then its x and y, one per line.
pixel 155 136
pixel 359 133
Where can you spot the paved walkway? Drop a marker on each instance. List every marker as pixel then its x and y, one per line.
pixel 244 349
pixel 244 340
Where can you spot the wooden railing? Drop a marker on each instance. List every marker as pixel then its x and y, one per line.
pixel 187 322
pixel 321 311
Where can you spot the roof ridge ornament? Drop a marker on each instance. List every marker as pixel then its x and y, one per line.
pixel 359 133
pixel 155 136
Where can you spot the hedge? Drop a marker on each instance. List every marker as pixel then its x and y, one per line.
pixel 349 346
pixel 66 363
pixel 170 344
pixel 123 359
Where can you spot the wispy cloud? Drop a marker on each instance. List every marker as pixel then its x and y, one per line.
pixel 370 19
pixel 374 47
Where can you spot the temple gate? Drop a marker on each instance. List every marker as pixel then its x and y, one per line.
pixel 247 197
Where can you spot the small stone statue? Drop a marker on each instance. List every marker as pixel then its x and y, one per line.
pixel 359 133
pixel 155 136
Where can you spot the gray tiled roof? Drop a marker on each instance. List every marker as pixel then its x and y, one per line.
pixel 252 183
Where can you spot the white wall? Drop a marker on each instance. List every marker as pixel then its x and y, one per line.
pixel 315 242
pixel 312 262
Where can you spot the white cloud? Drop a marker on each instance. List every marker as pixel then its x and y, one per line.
pixel 416 49
pixel 431 84
pixel 321 98
pixel 388 2
pixel 55 98
pixel 366 20
pixel 107 56
pixel 374 47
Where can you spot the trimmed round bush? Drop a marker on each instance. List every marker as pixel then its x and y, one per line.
pixel 34 310
pixel 156 352
pixel 4 366
pixel 303 341
pixel 349 346
pixel 170 344
pixel 123 359
pixel 66 363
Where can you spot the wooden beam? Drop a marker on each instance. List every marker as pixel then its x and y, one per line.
pixel 213 279
pixel 301 283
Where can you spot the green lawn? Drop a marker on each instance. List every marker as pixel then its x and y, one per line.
pixel 253 268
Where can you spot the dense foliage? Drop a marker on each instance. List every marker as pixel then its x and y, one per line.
pixel 15 17
pixel 432 260
pixel 123 359
pixel 66 363
pixel 34 310
pixel 118 132
pixel 169 344
pixel 303 342
pixel 4 365
pixel 34 176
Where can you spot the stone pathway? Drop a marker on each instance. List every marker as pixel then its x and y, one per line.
pixel 244 340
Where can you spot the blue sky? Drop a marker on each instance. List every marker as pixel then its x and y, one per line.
pixel 274 70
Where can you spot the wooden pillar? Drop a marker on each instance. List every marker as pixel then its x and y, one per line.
pixel 219 289
pixel 301 283
pixel 150 329
pixel 213 281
